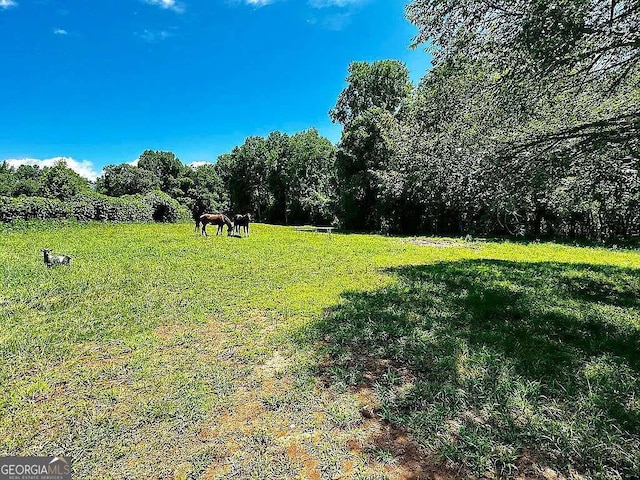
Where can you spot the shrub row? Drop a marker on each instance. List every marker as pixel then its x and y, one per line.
pixel 153 206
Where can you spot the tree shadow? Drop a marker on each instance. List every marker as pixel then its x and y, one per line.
pixel 495 366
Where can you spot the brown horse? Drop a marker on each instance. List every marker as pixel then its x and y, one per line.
pixel 242 221
pixel 218 219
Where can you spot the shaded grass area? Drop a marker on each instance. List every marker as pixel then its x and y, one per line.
pixel 501 367
pixel 162 354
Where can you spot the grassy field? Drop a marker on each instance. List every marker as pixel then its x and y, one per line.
pixel 162 354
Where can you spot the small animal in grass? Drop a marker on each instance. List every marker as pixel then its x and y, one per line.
pixel 55 260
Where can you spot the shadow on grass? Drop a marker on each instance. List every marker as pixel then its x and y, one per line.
pixel 499 368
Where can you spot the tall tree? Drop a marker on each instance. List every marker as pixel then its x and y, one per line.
pixel 206 192
pixel 311 174
pixel 166 167
pixel 125 179
pixel 279 176
pixel 542 51
pixel 62 182
pixel 282 178
pixel 6 179
pixel 375 93
pixel 27 180
pixel 244 173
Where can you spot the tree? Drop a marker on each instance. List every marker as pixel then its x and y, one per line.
pixel 529 121
pixel 27 180
pixel 61 182
pixel 206 192
pixel 311 178
pixel 383 84
pixel 244 173
pixel 164 166
pixel 543 52
pixel 583 39
pixel 125 179
pixel 375 93
pixel 282 178
pixel 6 179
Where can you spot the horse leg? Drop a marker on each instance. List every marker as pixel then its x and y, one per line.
pixel 204 229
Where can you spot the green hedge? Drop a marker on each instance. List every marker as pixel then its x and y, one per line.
pixel 153 206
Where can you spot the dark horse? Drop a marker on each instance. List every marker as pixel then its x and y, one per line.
pixel 242 221
pixel 218 219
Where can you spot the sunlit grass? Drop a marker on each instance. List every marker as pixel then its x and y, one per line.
pixel 159 353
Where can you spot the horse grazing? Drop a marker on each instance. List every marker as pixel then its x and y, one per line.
pixel 242 221
pixel 218 219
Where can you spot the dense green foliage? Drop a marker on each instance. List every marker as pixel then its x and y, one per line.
pixel 158 351
pixel 152 206
pixel 58 182
pixel 279 179
pixel 125 179
pixel 373 97
pixel 527 124
pixel 199 188
pixel 162 189
pixel 282 178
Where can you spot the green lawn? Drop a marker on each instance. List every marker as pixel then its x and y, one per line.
pixel 162 354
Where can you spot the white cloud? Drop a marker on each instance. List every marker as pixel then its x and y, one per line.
pixel 167 5
pixel 199 164
pixel 134 162
pixel 60 31
pixel 258 3
pixel 85 168
pixel 4 4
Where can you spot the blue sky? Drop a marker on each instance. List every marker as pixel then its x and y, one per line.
pixel 99 81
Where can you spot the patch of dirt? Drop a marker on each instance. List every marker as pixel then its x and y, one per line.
pixel 179 332
pixel 411 462
pixel 440 243
pixel 216 469
pixel 301 458
pixel 530 467
pixel 275 365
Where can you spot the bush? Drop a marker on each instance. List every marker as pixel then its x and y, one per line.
pixel 153 206
pixel 164 208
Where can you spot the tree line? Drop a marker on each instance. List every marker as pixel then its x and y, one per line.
pixel 279 179
pixel 527 124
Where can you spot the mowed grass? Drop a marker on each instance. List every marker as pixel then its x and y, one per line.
pixel 162 354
